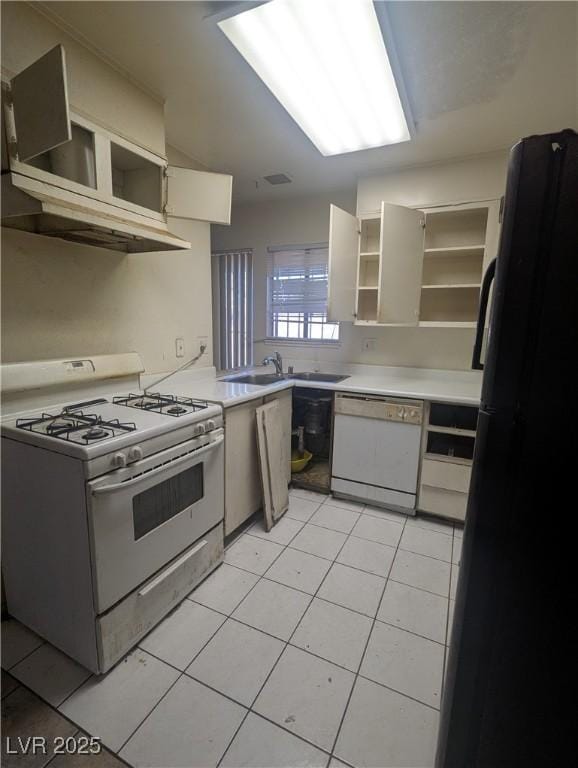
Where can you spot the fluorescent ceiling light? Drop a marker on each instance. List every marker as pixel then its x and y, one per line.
pixel 326 62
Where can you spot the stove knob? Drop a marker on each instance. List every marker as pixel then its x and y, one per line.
pixel 199 429
pixel 135 454
pixel 210 424
pixel 119 460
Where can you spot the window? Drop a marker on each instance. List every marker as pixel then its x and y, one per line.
pixel 233 309
pixel 297 294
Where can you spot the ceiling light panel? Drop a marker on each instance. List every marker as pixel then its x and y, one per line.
pixel 326 62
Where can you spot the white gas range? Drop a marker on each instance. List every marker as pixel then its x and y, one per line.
pixel 112 513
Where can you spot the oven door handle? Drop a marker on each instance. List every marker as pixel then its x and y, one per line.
pixel 163 467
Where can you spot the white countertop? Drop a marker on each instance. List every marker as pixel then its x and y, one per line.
pixel 462 387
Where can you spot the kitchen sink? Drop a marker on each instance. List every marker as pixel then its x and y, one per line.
pixel 312 376
pixel 263 379
pixel 256 378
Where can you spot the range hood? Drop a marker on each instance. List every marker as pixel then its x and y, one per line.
pixel 54 213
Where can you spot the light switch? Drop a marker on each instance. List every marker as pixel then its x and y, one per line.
pixel 180 347
pixel 368 345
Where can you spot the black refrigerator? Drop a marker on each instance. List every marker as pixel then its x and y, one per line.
pixel 511 660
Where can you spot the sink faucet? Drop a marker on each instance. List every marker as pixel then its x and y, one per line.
pixel 277 361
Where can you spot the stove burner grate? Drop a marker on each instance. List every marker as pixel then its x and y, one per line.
pixel 77 427
pixel 172 405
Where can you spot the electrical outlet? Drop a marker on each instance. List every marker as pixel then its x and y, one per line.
pixel 368 345
pixel 203 341
pixel 180 347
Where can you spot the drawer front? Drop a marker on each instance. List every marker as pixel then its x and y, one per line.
pixel 123 626
pixel 444 474
pixel 444 503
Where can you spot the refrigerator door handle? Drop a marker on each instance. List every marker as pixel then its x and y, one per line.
pixel 484 295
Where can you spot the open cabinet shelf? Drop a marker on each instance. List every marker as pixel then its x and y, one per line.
pixel 453 266
pixel 465 250
pixel 411 267
pixel 451 305
pixel 450 285
pixel 446 324
pixel 367 305
pixel 370 236
pixel 368 275
pixel 457 228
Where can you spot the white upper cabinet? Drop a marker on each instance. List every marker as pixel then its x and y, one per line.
pixel 78 172
pixel 40 105
pixel 342 265
pixel 401 257
pixel 460 241
pixel 375 266
pixel 408 267
pixel 199 195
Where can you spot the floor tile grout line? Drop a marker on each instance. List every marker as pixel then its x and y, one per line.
pixel 43 642
pixel 181 673
pixel 400 693
pixel 409 631
pixel 447 626
pixel 405 584
pixel 421 554
pixel 317 596
pixel 62 715
pixel 287 645
pixel 261 577
pixel 292 644
pixel 357 674
pixel 78 687
pixel 195 656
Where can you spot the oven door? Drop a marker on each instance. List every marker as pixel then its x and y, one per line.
pixel 144 515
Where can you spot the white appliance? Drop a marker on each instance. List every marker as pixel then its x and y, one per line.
pixel 376 450
pixel 112 513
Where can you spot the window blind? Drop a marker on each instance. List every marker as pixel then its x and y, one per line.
pixel 234 273
pixel 297 279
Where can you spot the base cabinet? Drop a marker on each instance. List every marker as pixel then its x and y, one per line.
pixel 447 452
pixel 243 492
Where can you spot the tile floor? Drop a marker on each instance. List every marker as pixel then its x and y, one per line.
pixel 321 643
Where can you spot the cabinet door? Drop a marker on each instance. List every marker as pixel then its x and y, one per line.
pixel 40 105
pixel 285 400
pixel 272 462
pixel 242 480
pixel 343 248
pixel 199 195
pixel 401 260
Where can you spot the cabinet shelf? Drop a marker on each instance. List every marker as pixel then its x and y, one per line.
pixel 448 459
pixel 446 324
pixel 369 254
pixel 452 430
pixel 367 287
pixel 468 286
pixel 474 250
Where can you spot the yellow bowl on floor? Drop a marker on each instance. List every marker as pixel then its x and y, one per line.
pixel 298 464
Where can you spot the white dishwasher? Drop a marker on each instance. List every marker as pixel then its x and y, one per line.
pixel 376 449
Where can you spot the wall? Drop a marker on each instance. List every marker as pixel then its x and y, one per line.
pixel 62 299
pixel 66 300
pixel 304 220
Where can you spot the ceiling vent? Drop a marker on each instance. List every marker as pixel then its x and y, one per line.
pixel 278 178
